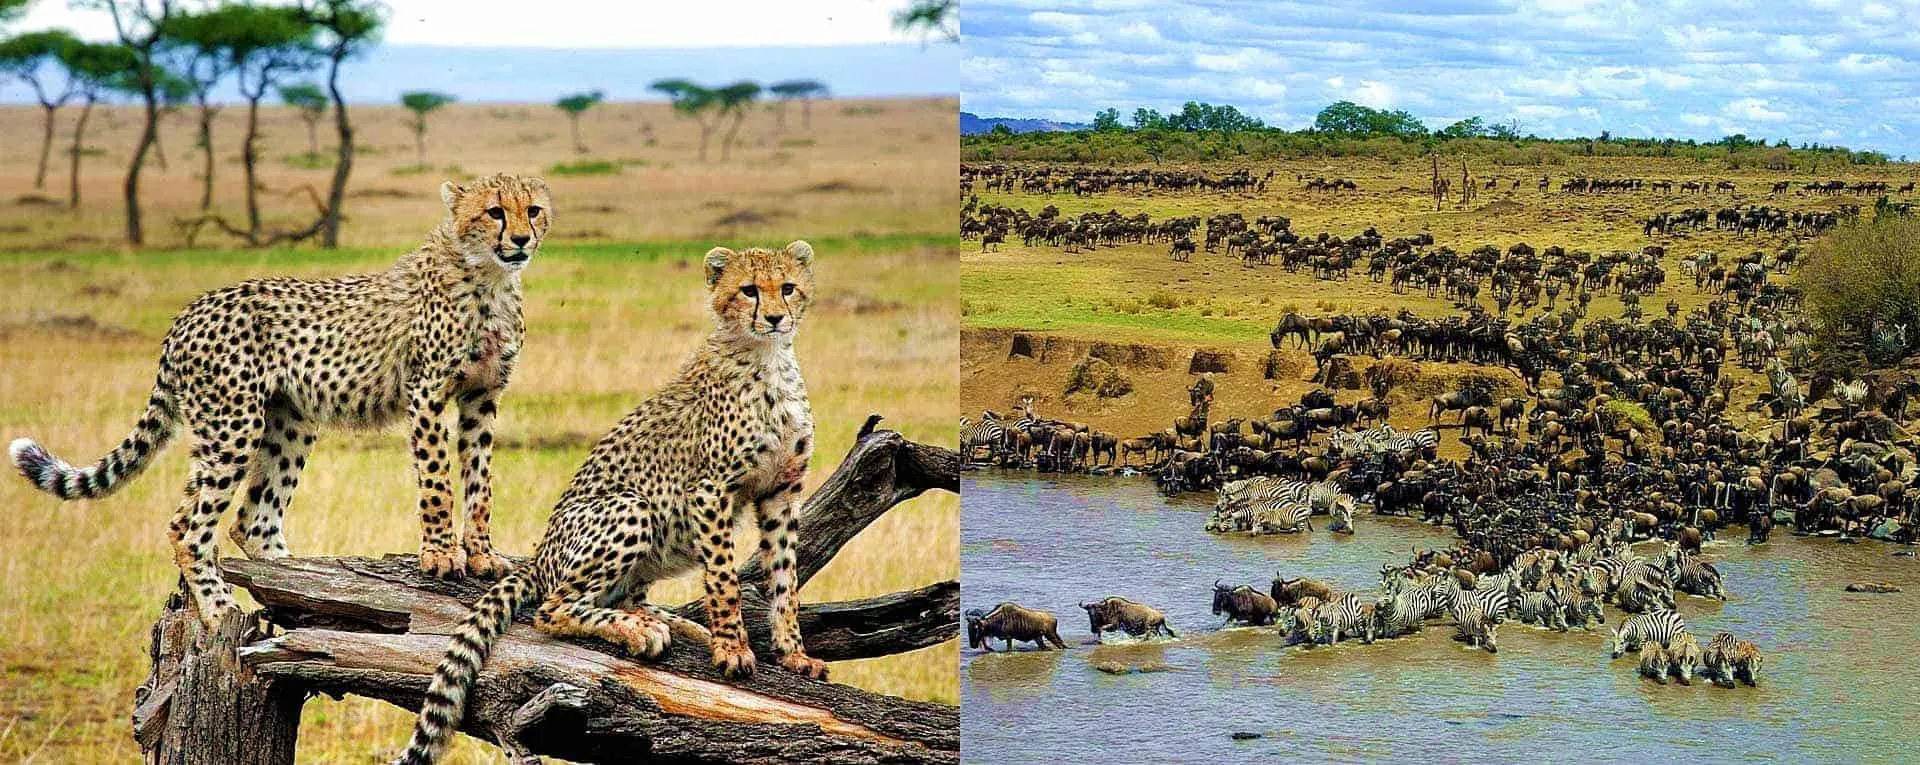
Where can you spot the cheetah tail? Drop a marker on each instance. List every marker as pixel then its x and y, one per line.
pixel 54 476
pixel 446 698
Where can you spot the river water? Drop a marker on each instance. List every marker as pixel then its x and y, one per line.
pixel 1841 681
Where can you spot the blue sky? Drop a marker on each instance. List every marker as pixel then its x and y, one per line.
pixel 619 46
pixel 1824 71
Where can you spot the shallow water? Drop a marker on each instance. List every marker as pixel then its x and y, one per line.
pixel 1840 684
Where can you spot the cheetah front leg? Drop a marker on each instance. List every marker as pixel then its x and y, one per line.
pixel 440 555
pixel 478 408
pixel 713 510
pixel 777 541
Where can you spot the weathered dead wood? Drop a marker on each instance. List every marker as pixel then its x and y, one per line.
pixel 377 628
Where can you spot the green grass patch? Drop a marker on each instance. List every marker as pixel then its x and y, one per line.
pixel 585 167
pixel 308 161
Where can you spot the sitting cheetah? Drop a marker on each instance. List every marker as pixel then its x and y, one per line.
pixel 661 493
pixel 255 370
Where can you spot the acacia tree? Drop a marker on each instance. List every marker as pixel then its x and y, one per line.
pixel 95 70
pixel 931 18
pixel 803 90
pixel 198 46
pixel 576 105
pixel 693 101
pixel 33 58
pixel 312 103
pixel 139 25
pixel 735 99
pixel 346 28
pixel 267 43
pixel 422 103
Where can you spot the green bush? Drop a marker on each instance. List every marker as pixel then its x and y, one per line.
pixel 585 167
pixel 1862 274
pixel 309 161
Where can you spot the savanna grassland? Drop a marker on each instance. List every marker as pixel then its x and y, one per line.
pixel 613 305
pixel 1160 311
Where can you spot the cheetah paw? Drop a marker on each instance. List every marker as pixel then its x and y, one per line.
pixel 487 565
pixel 647 638
pixel 733 657
pixel 804 665
pixel 443 563
pixel 213 610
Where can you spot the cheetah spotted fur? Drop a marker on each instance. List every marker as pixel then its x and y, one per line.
pixel 254 371
pixel 660 495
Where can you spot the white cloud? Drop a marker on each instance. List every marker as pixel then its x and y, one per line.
pixel 1065 22
pixel 1374 93
pixel 1793 47
pixel 1238 61
pixel 1755 109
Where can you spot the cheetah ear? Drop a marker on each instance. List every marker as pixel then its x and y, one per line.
pixel 717 262
pixel 801 251
pixel 451 192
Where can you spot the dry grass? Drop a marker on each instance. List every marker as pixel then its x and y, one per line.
pixel 865 167
pixel 608 322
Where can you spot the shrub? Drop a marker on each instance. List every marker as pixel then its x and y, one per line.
pixel 1164 300
pixel 1863 275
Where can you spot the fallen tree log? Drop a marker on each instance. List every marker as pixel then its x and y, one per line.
pixel 378 627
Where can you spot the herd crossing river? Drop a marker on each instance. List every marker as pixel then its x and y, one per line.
pixel 1837 686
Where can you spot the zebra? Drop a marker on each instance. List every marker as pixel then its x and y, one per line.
pixel 1280 515
pixel 1634 582
pixel 988 432
pixel 1475 624
pixel 1582 610
pixel 1546 609
pixel 1718 659
pixel 1350 615
pixel 1402 612
pixel 1659 626
pixel 1690 574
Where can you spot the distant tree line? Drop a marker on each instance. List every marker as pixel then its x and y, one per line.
pixel 175 55
pixel 168 56
pixel 1204 132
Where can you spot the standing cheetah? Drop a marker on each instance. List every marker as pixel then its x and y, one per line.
pixel 253 372
pixel 661 493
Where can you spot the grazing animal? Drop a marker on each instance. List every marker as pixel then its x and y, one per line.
pixel 1476 625
pixel 1684 655
pixel 1011 622
pixel 1305 629
pixel 1746 662
pixel 1659 626
pixel 1691 574
pixel 1288 592
pixel 1717 661
pixel 256 370
pixel 1117 613
pixel 1655 662
pixel 1350 615
pixel 1244 604
pixel 728 437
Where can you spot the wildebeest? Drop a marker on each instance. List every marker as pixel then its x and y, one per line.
pixel 1288 592
pixel 1117 613
pixel 1244 604
pixel 1011 622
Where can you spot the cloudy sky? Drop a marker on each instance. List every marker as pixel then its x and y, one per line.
pixel 1844 72
pixel 518 51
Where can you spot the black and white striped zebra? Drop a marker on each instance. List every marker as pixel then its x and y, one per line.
pixel 1636 585
pixel 1476 624
pixel 1660 626
pixel 1402 612
pixel 1693 575
pixel 1349 615
pixel 1547 609
pixel 1281 515
pixel 989 433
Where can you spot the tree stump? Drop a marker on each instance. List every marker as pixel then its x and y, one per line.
pixel 378 628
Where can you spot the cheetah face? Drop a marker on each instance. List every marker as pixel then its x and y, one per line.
pixel 761 294
pixel 499 221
